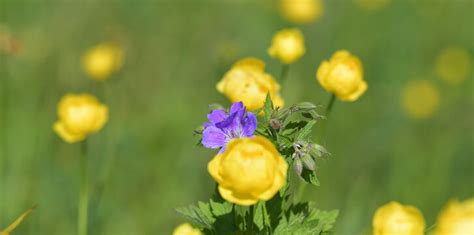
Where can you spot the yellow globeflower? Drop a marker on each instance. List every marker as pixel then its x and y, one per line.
pixel 456 218
pixel 301 11
pixel 287 46
pixel 250 169
pixel 186 229
pixel 396 219
pixel 420 99
pixel 343 76
pixel 102 60
pixel 79 115
pixel 453 65
pixel 247 81
pixel 17 222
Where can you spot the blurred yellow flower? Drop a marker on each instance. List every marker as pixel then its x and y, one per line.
pixel 301 11
pixel 250 169
pixel 372 5
pixel 456 218
pixel 102 60
pixel 79 115
pixel 247 81
pixel 287 46
pixel 343 76
pixel 17 222
pixel 186 229
pixel 453 65
pixel 420 99
pixel 396 219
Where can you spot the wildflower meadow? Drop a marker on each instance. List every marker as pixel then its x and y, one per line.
pixel 237 117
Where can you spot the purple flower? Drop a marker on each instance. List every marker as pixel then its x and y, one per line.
pixel 223 127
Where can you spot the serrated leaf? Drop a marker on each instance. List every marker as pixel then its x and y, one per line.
pixel 261 218
pixel 268 107
pixel 241 213
pixel 220 208
pixel 303 133
pixel 310 176
pixel 200 219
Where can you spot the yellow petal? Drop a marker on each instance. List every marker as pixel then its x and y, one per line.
pixel 65 134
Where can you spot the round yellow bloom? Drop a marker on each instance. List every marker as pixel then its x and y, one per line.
pixel 287 46
pixel 343 76
pixel 372 5
pixel 456 218
pixel 301 11
pixel 102 60
pixel 250 169
pixel 247 81
pixel 79 115
pixel 420 99
pixel 396 219
pixel 186 229
pixel 453 65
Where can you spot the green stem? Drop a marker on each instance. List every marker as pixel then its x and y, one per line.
pixel 285 69
pixel 82 211
pixel 329 107
pixel 302 186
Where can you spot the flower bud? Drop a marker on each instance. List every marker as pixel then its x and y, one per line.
pixel 287 46
pixel 395 219
pixel 301 11
pixel 456 218
pixel 343 76
pixel 186 229
pixel 102 60
pixel 79 115
pixel 247 81
pixel 250 169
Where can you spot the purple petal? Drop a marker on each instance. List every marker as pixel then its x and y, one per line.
pixel 249 124
pixel 227 122
pixel 213 137
pixel 216 116
pixel 236 107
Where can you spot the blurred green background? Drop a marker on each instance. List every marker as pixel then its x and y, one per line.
pixel 144 163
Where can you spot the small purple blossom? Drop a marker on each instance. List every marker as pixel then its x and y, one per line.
pixel 223 127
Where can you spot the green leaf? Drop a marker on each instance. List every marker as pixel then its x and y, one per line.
pixel 303 133
pixel 268 107
pixel 261 218
pixel 220 208
pixel 241 213
pixel 201 217
pixel 304 218
pixel 310 177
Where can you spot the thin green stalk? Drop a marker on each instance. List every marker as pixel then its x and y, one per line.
pixel 302 186
pixel 285 69
pixel 82 211
pixel 329 107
